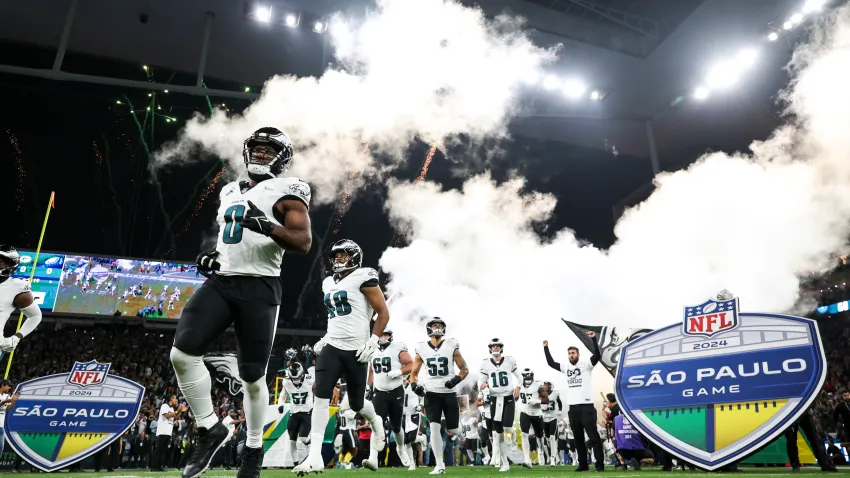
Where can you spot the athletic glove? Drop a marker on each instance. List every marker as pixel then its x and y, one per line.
pixel 256 220
pixel 393 374
pixel 364 353
pixel 319 346
pixel 417 389
pixel 207 262
pixel 454 381
pixel 7 344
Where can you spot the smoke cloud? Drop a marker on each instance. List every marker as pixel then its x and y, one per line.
pixel 429 70
pixel 750 223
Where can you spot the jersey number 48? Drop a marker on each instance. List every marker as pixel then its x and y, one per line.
pixel 337 304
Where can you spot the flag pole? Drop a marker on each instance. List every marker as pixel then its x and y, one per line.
pixel 32 274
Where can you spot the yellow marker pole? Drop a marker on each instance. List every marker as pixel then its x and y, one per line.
pixel 32 274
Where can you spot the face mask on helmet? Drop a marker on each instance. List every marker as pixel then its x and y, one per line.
pixel 9 260
pixel 527 377
pixel 267 153
pixel 386 339
pixel 436 328
pixel 345 255
pixel 496 347
pixel 296 373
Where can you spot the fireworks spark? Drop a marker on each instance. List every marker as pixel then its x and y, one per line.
pixel 404 229
pixel 203 197
pixel 346 197
pixel 22 173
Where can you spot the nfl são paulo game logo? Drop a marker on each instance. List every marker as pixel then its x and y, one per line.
pixel 717 386
pixel 61 419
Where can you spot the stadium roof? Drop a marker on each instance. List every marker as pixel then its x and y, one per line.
pixel 642 54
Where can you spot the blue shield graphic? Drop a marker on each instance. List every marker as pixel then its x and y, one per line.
pixel 713 401
pixel 57 422
pixel 710 318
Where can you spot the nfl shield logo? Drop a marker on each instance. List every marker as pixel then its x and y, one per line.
pixel 710 318
pixel 88 373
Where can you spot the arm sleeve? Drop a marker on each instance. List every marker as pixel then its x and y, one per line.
pixel 33 314
pixel 517 377
pixel 594 359
pixel 552 363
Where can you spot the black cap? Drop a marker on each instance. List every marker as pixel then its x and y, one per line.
pixel 5 382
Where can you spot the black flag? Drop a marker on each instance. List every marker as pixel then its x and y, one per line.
pixel 611 340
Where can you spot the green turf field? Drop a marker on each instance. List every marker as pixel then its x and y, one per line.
pixel 537 472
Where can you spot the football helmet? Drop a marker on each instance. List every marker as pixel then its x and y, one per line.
pixel 527 377
pixel 296 373
pixel 384 343
pixel 355 255
pixel 265 166
pixel 435 332
pixel 494 342
pixel 291 354
pixel 9 260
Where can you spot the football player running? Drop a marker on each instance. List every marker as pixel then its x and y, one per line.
pixel 495 376
pixel 298 386
pixel 533 398
pixel 439 355
pixel 259 219
pixel 389 363
pixel 551 415
pixel 15 294
pixel 411 421
pixel 352 293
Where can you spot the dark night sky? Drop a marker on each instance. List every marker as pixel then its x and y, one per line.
pixel 111 207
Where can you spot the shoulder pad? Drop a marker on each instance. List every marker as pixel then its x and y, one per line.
pixel 23 285
pixel 402 346
pixel 454 343
pixel 291 187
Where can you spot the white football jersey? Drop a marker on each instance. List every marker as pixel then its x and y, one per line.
pixel 438 364
pixel 349 313
pixel 385 361
pixel 498 375
pixel 245 252
pixel 9 289
pixel 470 428
pixel 347 419
pixel 485 397
pixel 301 396
pixel 529 399
pixel 411 401
pixel 551 410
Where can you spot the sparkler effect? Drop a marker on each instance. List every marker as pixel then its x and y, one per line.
pixel 346 197
pixel 203 197
pixel 404 229
pixel 22 173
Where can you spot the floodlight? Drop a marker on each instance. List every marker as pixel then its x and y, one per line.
pixel 318 27
pixel 574 88
pixel 813 6
pixel 263 13
pixel 787 25
pixel 747 57
pixel 796 18
pixel 723 75
pixel 290 20
pixel 550 82
pixel 773 36
pixel 701 93
pixel 594 95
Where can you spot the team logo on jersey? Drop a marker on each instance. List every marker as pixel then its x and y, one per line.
pixel 715 389
pixel 710 318
pixel 88 373
pixel 299 189
pixel 61 419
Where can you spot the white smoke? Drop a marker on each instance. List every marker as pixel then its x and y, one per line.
pixel 747 222
pixel 426 69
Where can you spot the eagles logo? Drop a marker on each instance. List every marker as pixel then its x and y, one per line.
pixel 300 190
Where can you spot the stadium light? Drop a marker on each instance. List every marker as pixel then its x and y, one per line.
pixel 247 89
pixel 773 36
pixel 788 25
pixel 574 88
pixel 796 18
pixel 723 75
pixel 701 93
pixel 594 95
pixel 550 82
pixel 319 27
pixel 263 13
pixel 290 20
pixel 813 6
pixel 747 57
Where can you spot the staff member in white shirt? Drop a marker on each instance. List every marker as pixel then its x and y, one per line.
pixel 579 397
pixel 7 402
pixel 164 428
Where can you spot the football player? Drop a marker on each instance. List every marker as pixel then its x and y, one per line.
pixel 260 219
pixel 347 420
pixel 412 410
pixel 551 415
pixel 15 294
pixel 440 355
pixel 495 377
pixel 352 293
pixel 299 386
pixel 533 398
pixel 389 363
pixel 470 433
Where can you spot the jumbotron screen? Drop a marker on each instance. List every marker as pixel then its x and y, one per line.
pixel 92 285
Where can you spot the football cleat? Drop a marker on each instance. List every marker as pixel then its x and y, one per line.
pixel 209 441
pixel 310 464
pixel 252 463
